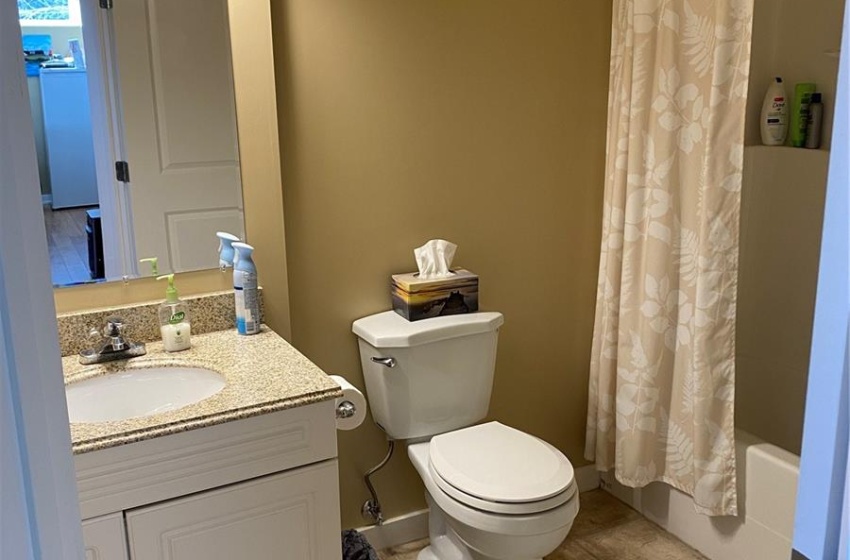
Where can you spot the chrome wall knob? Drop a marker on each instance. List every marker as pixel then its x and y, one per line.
pixel 346 409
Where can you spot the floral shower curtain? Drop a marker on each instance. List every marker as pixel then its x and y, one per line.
pixel 663 363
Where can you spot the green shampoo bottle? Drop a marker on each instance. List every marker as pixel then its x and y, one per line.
pixel 800 113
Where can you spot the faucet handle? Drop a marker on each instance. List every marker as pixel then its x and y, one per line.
pixel 94 338
pixel 114 327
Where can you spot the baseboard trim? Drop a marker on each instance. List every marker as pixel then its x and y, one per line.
pixel 46 199
pixel 587 478
pixel 397 530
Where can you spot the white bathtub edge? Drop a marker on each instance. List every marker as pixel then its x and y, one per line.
pixel 767 487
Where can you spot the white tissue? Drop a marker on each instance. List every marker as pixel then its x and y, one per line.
pixel 434 259
pixel 351 394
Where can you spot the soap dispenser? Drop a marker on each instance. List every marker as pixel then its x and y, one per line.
pixel 174 320
pixel 153 262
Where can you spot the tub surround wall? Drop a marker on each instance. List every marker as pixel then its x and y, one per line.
pixel 781 216
pixel 480 122
pixel 800 42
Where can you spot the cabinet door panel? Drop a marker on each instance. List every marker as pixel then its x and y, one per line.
pixel 104 538
pixel 291 515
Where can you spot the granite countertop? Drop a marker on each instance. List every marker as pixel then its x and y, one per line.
pixel 263 372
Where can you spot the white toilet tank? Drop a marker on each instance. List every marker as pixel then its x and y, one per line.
pixel 442 375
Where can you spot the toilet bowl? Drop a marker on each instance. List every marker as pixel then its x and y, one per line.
pixel 494 492
pixel 521 508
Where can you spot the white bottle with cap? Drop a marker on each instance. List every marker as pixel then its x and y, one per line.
pixel 774 115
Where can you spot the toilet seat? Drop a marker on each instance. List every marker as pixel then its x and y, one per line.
pixel 504 508
pixel 496 468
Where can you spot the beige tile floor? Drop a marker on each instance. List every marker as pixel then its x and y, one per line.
pixel 605 529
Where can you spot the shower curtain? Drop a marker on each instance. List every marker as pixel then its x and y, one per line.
pixel 662 376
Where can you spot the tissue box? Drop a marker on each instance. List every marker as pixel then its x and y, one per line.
pixel 416 299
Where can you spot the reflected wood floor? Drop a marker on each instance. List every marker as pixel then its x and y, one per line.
pixel 605 529
pixel 67 245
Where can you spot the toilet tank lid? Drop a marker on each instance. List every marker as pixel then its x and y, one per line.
pixel 391 330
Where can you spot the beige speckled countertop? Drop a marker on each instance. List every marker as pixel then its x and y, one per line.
pixel 263 372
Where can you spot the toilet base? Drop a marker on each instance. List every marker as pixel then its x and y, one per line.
pixel 446 544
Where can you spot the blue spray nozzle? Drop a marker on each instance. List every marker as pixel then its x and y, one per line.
pixel 226 253
pixel 243 257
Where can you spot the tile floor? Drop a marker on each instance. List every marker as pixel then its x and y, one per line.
pixel 68 246
pixel 605 529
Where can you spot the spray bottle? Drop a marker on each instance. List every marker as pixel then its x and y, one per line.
pixel 246 289
pixel 226 254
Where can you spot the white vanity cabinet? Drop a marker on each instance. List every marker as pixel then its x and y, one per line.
pixel 264 487
pixel 105 538
pixel 287 515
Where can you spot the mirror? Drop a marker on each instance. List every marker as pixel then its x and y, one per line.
pixel 136 141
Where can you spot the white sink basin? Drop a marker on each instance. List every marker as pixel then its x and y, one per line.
pixel 139 392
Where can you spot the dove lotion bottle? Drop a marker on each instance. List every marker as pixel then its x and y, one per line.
pixel 774 115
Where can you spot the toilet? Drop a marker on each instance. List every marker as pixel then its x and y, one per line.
pixel 494 492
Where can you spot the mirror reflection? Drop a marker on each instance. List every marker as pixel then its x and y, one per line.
pixel 136 140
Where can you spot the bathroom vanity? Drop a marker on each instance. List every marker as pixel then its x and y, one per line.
pixel 245 472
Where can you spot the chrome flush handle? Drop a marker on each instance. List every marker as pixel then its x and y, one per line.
pixel 389 362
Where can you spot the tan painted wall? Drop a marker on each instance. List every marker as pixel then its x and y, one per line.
pixel 482 122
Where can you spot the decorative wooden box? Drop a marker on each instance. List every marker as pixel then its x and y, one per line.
pixel 415 299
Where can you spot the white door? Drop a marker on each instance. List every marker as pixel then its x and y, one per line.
pixel 292 515
pixel 104 538
pixel 179 128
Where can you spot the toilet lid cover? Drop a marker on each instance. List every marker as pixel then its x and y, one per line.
pixel 501 464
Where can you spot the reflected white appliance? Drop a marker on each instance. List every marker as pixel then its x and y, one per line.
pixel 68 135
pixel 494 492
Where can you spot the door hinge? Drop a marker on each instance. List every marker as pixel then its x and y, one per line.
pixel 106 4
pixel 122 171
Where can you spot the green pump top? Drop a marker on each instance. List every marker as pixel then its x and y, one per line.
pixel 153 261
pixel 170 291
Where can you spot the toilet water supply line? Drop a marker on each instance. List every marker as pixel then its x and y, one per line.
pixel 371 510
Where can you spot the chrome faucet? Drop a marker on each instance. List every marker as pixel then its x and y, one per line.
pixel 111 344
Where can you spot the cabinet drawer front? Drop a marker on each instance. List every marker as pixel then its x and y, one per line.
pixel 288 515
pixel 166 467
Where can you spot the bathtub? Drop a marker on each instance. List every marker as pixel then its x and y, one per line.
pixel 767 492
